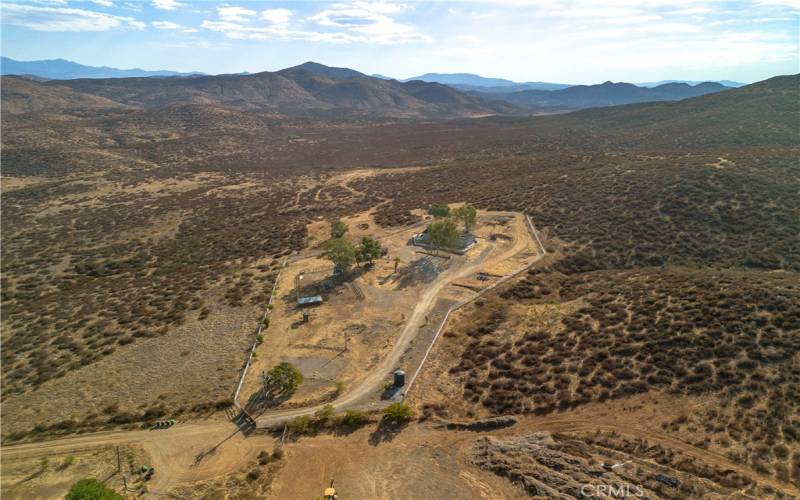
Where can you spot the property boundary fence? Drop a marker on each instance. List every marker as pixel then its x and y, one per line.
pixel 471 299
pixel 255 338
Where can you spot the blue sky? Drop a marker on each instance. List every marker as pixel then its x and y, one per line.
pixel 569 41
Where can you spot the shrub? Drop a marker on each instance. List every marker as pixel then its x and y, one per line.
pixel 91 489
pixel 354 418
pixel 300 425
pixel 68 461
pixel 398 413
pixel 324 414
pixel 339 387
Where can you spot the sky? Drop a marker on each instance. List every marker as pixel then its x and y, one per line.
pixel 563 41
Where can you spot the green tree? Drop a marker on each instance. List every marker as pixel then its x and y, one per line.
pixel 398 413
pixel 439 210
pixel 91 489
pixel 442 234
pixel 338 230
pixel 369 249
pixel 341 252
pixel 467 215
pixel 283 379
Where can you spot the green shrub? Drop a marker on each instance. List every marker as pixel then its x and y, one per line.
pixel 339 387
pixel 300 425
pixel 354 418
pixel 324 414
pixel 91 489
pixel 68 461
pixel 398 413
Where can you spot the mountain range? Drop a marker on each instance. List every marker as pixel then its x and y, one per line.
pixel 61 69
pixel 727 83
pixel 605 94
pixel 470 81
pixel 307 89
pixel 313 89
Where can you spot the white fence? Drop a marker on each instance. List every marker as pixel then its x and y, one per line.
pixel 482 292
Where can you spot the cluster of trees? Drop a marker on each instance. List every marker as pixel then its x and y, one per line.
pixel 345 254
pixel 443 232
pixel 465 214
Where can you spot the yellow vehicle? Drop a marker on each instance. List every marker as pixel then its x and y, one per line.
pixel 330 492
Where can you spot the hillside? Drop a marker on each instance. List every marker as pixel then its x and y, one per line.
pixel 765 112
pixel 301 90
pixel 23 95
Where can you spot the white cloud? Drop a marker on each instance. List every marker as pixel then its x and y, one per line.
pixel 64 19
pixel 166 25
pixel 235 14
pixel 276 16
pixel 691 11
pixel 104 3
pixel 274 32
pixel 792 4
pixel 166 4
pixel 370 21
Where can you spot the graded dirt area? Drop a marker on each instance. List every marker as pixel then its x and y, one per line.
pixel 379 312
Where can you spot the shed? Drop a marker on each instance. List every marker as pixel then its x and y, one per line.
pixel 309 301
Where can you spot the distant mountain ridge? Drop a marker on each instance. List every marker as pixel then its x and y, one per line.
pixel 727 83
pixel 471 81
pixel 61 69
pixel 605 94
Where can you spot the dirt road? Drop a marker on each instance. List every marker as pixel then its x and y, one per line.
pixel 361 393
pixel 426 453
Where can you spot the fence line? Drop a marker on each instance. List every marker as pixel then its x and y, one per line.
pixel 479 294
pixel 255 340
